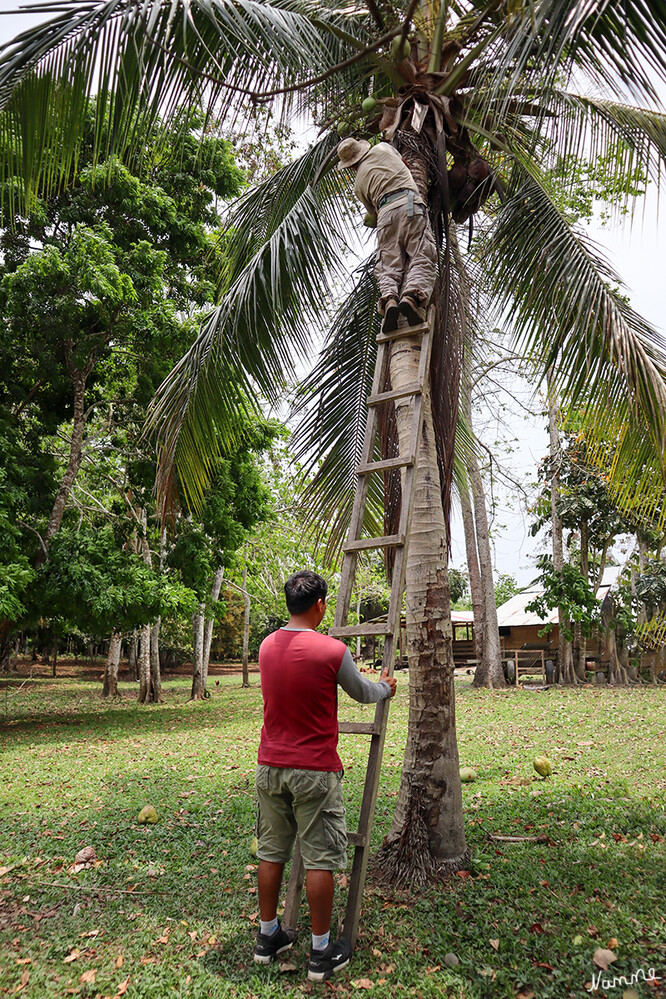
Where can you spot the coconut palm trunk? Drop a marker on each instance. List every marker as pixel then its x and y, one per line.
pixel 427 834
pixel 474 574
pixel 489 671
pixel 565 667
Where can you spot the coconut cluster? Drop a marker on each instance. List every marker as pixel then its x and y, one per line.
pixel 470 185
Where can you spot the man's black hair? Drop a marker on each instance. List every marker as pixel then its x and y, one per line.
pixel 303 589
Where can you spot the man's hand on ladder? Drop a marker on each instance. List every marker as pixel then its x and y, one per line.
pixel 391 680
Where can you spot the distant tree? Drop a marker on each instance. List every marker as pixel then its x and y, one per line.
pixel 505 588
pixel 459 583
pixel 102 287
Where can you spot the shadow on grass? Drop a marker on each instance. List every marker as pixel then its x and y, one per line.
pixel 129 720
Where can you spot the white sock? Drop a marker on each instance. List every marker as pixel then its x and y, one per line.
pixel 320 942
pixel 269 928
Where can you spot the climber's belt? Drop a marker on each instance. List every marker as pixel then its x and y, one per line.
pixel 395 195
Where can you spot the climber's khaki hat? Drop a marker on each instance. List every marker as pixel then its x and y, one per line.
pixel 352 151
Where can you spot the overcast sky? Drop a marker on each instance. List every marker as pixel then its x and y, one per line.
pixel 636 249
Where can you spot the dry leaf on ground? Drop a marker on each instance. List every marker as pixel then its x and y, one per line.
pixel 603 958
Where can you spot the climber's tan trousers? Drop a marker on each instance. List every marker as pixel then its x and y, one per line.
pixel 407 256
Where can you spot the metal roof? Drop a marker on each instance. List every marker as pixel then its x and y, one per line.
pixel 512 614
pixel 462 616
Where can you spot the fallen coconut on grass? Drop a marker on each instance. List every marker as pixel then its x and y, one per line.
pixel 147 815
pixel 543 766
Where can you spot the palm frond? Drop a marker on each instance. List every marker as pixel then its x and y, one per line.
pixel 619 45
pixel 147 58
pixel 557 290
pixel 631 464
pixel 253 339
pixel 333 413
pixel 627 140
pixel 254 218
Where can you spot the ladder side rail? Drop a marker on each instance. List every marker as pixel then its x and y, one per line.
pixel 371 788
pixel 361 494
pixel 292 903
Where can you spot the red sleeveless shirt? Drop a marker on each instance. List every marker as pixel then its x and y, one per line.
pixel 299 685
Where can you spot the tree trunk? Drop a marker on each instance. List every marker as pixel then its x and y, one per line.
pixel 110 688
pixel 78 379
pixel 132 657
pixel 55 654
pixel 581 642
pixel 198 683
pixel 489 672
pixel 210 621
pixel 155 675
pixel 150 681
pixel 474 574
pixel 427 836
pixel 565 670
pixel 5 644
pixel 145 684
pixel 246 630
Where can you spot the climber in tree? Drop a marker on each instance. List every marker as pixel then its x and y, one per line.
pixel 407 256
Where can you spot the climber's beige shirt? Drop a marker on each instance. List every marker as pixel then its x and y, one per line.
pixel 381 172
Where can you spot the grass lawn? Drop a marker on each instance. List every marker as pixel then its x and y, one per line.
pixel 171 909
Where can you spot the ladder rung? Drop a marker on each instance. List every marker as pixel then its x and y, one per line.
pixel 413 389
pixel 384 466
pixel 349 630
pixel 357 728
pixel 356 838
pixel 389 541
pixel 404 331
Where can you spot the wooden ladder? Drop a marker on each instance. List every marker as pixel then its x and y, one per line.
pixel 360 840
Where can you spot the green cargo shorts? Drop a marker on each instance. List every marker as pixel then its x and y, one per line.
pixel 307 802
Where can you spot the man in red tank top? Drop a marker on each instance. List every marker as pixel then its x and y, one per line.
pixel 299 772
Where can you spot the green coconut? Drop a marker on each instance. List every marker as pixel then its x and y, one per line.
pixel 344 128
pixel 400 48
pixel 369 105
pixel 147 816
pixel 254 846
pixel 543 766
pixel 467 775
pixel 370 220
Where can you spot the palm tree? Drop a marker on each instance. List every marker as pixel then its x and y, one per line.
pixel 481 98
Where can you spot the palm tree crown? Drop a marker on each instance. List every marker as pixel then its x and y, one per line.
pixel 479 94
